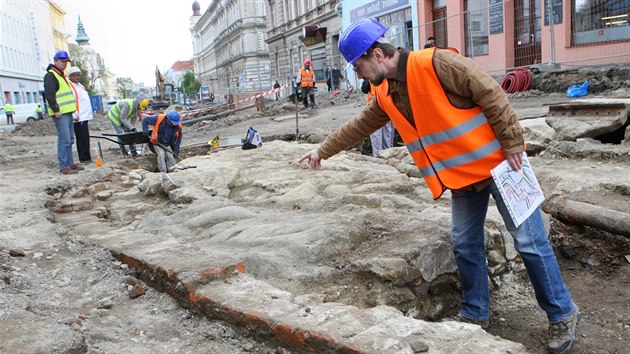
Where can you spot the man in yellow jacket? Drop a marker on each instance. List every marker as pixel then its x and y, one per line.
pixel 457 124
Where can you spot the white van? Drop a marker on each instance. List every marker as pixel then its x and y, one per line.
pixel 23 113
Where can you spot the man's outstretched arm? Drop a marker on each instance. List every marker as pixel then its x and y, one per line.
pixel 312 158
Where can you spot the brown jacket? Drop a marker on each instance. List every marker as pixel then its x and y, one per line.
pixel 465 84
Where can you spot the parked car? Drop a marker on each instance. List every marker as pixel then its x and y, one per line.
pixel 23 113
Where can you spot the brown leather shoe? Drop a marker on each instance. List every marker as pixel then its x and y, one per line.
pixel 77 167
pixel 69 171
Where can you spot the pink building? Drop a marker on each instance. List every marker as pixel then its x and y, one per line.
pixel 501 35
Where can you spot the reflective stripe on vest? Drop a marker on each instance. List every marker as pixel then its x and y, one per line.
pixel 307 78
pixel 114 112
pixel 156 127
pixel 64 96
pixel 452 147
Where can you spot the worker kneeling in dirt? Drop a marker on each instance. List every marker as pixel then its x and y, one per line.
pixel 166 135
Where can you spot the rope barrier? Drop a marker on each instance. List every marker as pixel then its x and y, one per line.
pixel 204 110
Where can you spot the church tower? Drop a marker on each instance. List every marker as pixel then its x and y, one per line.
pixel 82 38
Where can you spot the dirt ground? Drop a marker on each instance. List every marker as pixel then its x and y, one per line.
pixel 73 286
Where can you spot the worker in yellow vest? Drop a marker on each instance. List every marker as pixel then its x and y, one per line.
pixel 306 81
pixel 9 111
pixel 124 115
pixel 458 125
pixel 38 110
pixel 61 106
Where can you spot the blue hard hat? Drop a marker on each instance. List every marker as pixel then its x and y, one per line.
pixel 62 54
pixel 173 117
pixel 359 37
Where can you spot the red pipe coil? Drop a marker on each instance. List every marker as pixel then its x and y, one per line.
pixel 517 81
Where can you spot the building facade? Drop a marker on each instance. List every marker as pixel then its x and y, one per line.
pixel 174 76
pixel 502 35
pixel 400 16
pixel 26 48
pixel 290 44
pixel 230 54
pixel 60 37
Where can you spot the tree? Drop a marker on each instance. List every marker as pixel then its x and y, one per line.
pixel 121 86
pixel 92 67
pixel 190 86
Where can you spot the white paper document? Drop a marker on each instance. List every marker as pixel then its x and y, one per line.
pixel 520 190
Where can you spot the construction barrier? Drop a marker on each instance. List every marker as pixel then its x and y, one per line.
pixel 207 109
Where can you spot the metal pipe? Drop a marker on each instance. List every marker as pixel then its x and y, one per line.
pixel 552 37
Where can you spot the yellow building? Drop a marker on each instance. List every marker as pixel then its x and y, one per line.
pixel 58 27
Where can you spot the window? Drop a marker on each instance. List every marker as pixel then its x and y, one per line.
pixel 476 23
pixel 288 11
pixel 318 58
pixel 596 21
pixel 396 21
pixel 273 6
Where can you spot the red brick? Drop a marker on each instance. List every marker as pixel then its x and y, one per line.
pixel 317 343
pixel 288 336
pixel 258 322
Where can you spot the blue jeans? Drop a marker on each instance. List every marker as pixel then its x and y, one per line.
pixel 65 139
pixel 382 139
pixel 469 210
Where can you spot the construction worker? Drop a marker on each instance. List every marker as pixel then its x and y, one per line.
pixel 124 115
pixel 9 110
pixel 82 116
pixel 458 125
pixel 306 81
pixel 61 106
pixel 38 110
pixel 166 136
pixel 336 78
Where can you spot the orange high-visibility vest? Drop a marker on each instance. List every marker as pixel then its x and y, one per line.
pixel 307 78
pixel 452 147
pixel 156 127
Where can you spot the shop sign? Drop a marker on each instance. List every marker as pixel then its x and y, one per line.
pixel 313 34
pixel 376 7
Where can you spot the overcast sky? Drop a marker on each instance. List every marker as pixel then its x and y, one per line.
pixel 134 36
